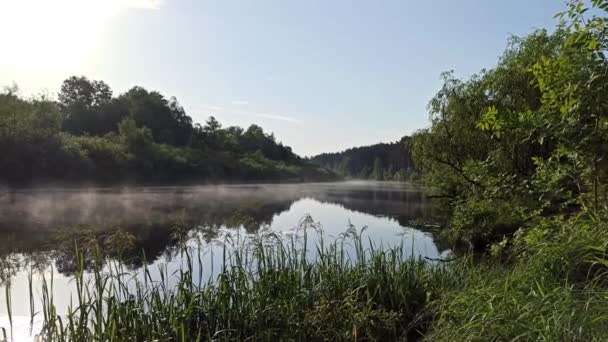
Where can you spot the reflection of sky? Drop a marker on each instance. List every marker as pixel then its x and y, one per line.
pixel 334 219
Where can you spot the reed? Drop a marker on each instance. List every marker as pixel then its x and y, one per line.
pixel 268 287
pixel 271 287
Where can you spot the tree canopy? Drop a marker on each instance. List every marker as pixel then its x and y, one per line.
pixel 525 140
pixel 89 134
pixel 390 161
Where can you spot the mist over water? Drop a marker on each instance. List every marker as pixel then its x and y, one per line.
pixel 50 207
pixel 39 227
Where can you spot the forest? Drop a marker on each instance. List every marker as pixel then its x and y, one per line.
pixel 140 136
pixel 384 161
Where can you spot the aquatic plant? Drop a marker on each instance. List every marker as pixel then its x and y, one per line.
pixel 269 287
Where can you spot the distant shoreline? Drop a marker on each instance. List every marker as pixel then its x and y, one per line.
pixel 176 186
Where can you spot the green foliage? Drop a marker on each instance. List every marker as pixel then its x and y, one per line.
pixel 139 136
pixel 166 119
pixel 268 288
pixel 517 153
pixel 526 134
pixel 28 136
pixel 474 222
pixel 380 162
pixel 555 290
pixel 88 107
pixel 378 171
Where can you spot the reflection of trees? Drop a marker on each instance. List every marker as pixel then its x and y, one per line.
pixel 403 206
pixel 10 264
pixel 98 230
pixel 11 261
pixel 408 208
pixel 130 225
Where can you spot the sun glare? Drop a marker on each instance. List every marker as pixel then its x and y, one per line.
pixel 46 36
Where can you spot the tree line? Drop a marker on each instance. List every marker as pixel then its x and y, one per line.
pixel 384 161
pixel 89 135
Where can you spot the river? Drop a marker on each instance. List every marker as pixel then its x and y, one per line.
pixel 40 227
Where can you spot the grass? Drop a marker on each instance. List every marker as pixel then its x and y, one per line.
pixel 268 288
pixel 515 305
pixel 553 288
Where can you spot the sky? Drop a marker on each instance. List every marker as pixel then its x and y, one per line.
pixel 323 75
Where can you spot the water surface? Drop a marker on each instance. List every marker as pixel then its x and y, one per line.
pixel 39 227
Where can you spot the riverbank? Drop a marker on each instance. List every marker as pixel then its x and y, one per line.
pixel 269 288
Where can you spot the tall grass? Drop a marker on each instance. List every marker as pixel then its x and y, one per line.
pixel 267 288
pixel 554 288
pixel 270 288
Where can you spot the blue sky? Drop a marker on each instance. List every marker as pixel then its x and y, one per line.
pixel 322 75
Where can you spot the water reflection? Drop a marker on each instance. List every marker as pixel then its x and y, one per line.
pixel 42 226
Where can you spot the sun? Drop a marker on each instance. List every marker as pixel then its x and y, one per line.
pixel 55 35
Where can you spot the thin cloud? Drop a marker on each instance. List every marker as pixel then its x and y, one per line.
pixel 278 117
pixel 209 109
pixel 240 103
